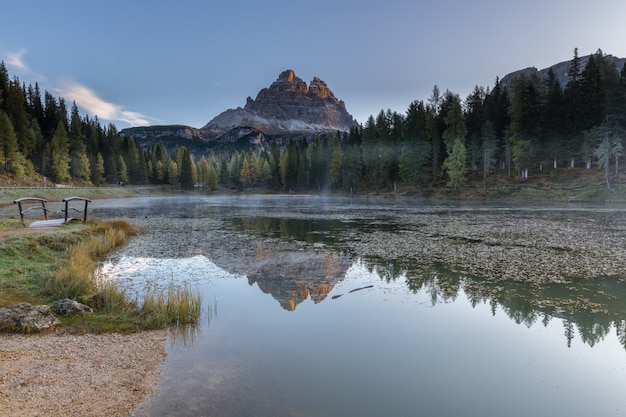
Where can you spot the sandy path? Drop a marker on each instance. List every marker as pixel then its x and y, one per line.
pixel 78 375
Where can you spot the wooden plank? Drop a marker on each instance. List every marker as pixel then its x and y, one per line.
pixel 48 223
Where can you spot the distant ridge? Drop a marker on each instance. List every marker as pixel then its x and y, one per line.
pixel 561 70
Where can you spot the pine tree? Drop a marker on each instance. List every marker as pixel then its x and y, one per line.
pixel 336 157
pixel 16 110
pixel 97 173
pixel 456 164
pixel 245 175
pixel 489 147
pixel 284 168
pixel 454 138
pixel 186 172
pixel 203 170
pixel 122 170
pixel 60 157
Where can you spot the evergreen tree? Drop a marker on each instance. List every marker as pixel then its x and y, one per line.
pixel 212 178
pixel 574 98
pixel 245 175
pixel 553 119
pixel 454 137
pixel 186 173
pixel 60 157
pixel 122 172
pixel 475 111
pixel 609 145
pixel 489 147
pixel 455 164
pixel 4 86
pixel 16 110
pixel 97 174
pixel 352 167
pixel 525 126
pixel 203 170
pixel 8 143
pixel 336 160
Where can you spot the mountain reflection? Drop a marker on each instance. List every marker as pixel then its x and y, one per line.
pixel 293 277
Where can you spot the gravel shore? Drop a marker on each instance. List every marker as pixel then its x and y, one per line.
pixel 78 375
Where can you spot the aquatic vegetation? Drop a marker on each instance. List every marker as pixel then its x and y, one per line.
pixel 178 305
pixel 74 277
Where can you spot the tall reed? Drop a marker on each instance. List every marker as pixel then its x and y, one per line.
pixel 75 276
pixel 177 305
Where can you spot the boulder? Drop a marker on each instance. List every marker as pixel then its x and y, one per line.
pixel 65 307
pixel 27 318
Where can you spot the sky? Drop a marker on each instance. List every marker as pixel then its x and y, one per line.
pixel 154 62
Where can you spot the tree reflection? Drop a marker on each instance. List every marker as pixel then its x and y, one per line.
pixel 589 309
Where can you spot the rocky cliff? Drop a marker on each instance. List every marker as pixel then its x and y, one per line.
pixel 288 105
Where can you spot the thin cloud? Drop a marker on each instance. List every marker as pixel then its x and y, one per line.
pixel 88 100
pixel 16 61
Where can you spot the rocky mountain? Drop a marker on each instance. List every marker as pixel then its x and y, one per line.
pixel 288 108
pixel 288 105
pixel 560 70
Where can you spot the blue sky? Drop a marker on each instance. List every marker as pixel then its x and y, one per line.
pixel 137 62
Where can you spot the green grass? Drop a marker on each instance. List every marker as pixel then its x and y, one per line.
pixel 42 268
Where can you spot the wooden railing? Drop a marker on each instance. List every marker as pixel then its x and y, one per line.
pixel 25 205
pixel 67 208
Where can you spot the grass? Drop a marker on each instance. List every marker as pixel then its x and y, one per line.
pixel 42 268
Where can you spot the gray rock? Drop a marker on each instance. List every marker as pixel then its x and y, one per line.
pixel 26 318
pixel 66 307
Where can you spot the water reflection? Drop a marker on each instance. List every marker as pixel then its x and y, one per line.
pixel 293 277
pixel 283 345
pixel 590 309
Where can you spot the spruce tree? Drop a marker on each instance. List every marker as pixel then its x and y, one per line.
pixel 186 172
pixel 60 157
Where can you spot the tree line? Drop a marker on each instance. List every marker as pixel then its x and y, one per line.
pixel 532 125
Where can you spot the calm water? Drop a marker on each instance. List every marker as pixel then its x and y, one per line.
pixel 282 335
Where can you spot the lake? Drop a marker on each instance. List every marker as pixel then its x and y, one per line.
pixel 337 307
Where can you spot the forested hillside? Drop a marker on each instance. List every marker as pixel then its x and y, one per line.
pixel 531 126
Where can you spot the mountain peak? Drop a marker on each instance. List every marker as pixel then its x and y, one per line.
pixel 288 105
pixel 287 76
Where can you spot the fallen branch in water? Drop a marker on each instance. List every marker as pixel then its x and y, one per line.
pixel 356 289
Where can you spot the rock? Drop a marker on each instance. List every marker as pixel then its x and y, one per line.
pixel 66 307
pixel 26 318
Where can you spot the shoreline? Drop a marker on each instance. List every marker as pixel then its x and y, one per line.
pixel 92 375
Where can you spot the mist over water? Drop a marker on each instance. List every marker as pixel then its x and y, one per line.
pixel 283 335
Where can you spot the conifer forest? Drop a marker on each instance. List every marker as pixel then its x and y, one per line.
pixel 516 131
